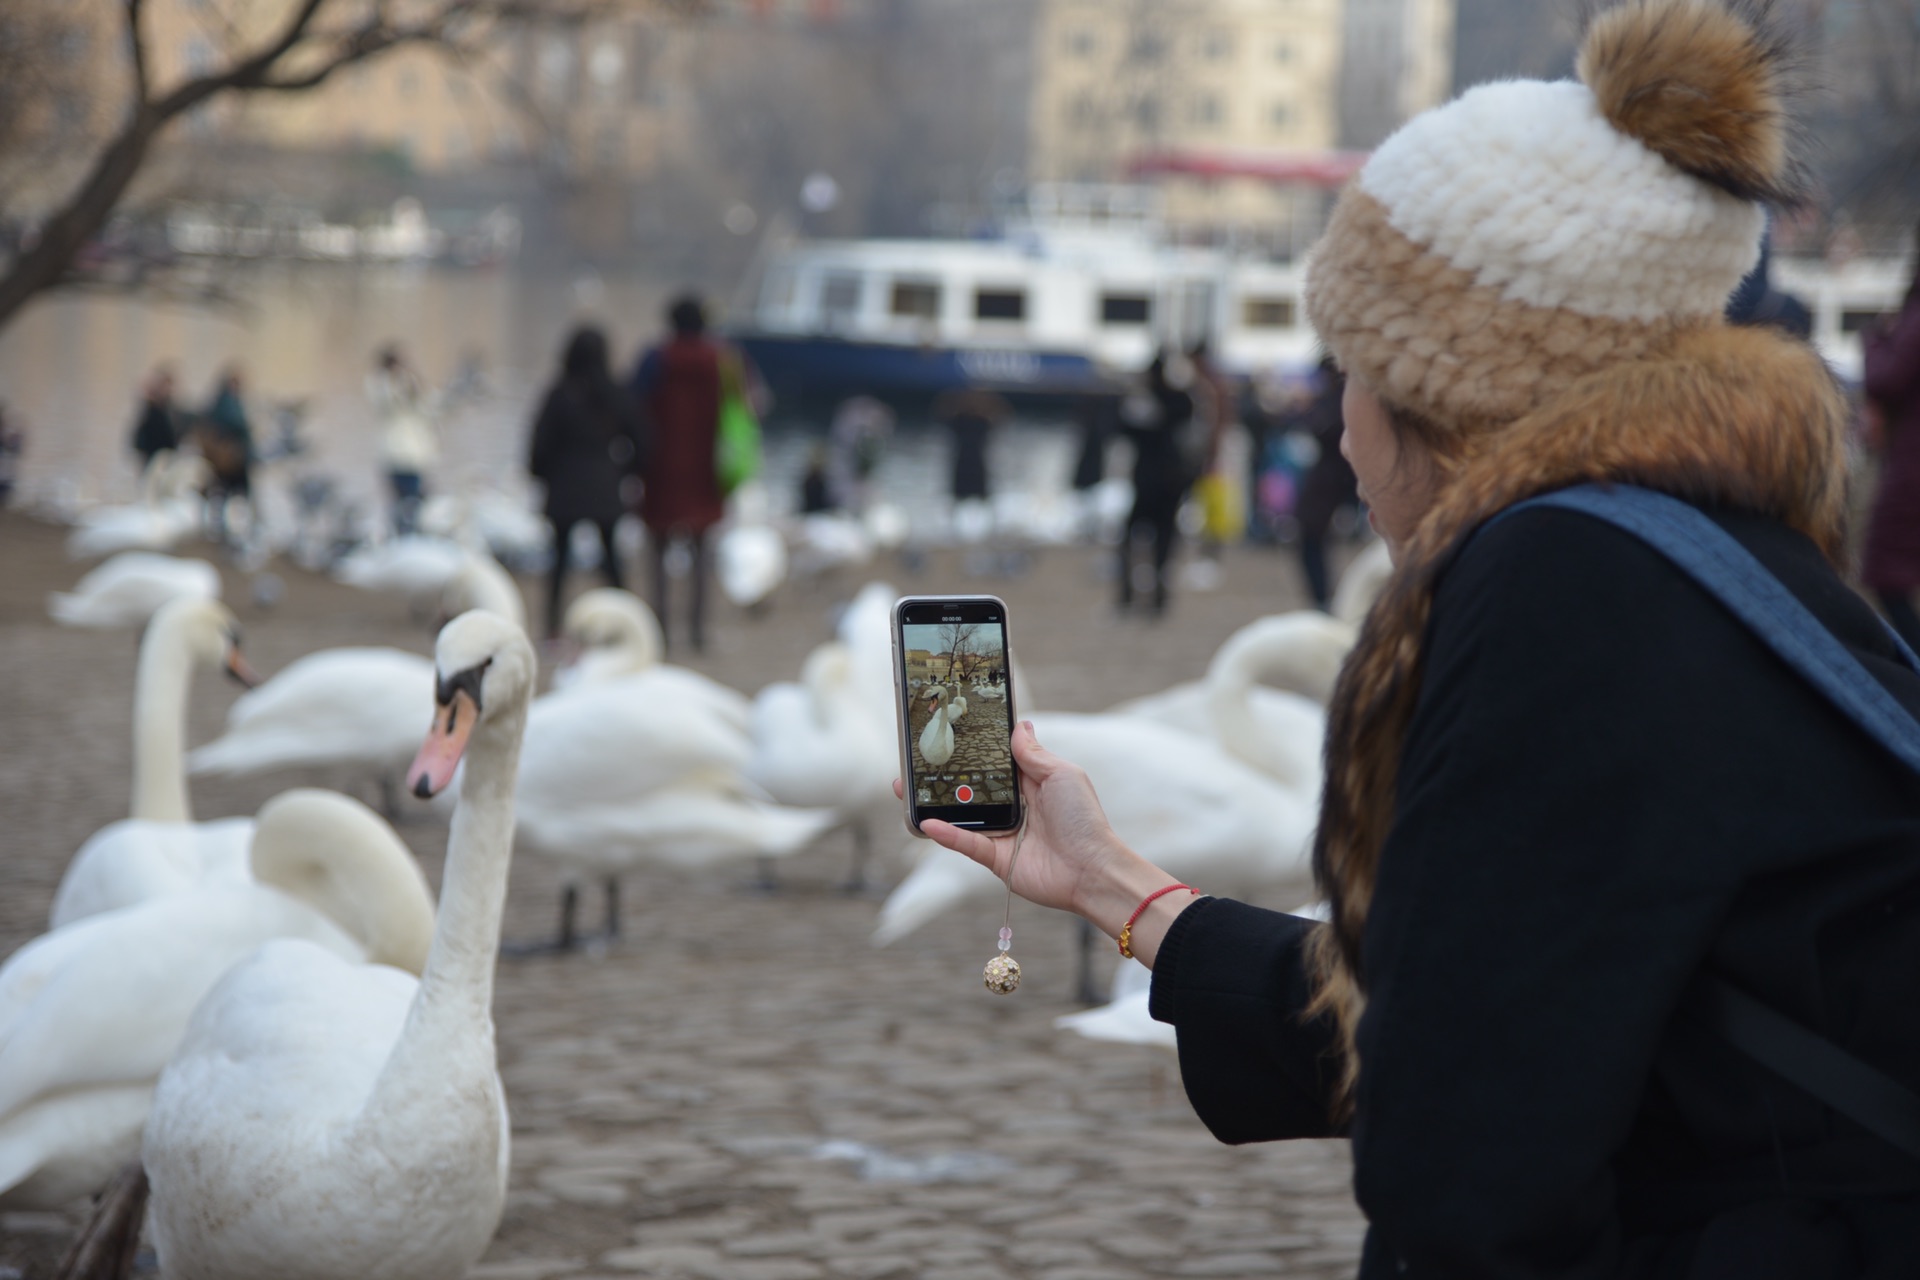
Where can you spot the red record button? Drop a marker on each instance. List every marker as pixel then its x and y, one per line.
pixel 964 794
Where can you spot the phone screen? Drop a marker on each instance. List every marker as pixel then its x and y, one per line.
pixel 956 696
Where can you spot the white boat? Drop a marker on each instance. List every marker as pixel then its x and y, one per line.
pixel 1845 300
pixel 1079 291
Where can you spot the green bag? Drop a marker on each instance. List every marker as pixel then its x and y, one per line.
pixel 736 445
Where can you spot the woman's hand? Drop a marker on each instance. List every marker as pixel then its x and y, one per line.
pixel 1070 857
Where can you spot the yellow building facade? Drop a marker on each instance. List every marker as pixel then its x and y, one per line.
pixel 1116 81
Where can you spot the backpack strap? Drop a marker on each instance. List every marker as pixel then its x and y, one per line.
pixel 1729 572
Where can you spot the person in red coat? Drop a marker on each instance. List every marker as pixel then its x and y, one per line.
pixel 678 387
pixel 1891 565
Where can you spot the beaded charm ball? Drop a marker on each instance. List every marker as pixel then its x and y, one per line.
pixel 1003 975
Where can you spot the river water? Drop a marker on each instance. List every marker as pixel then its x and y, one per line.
pixel 72 366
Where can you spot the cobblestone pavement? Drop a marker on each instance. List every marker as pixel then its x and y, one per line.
pixel 741 1088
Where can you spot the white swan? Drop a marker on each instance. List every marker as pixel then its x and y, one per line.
pixel 359 707
pixel 160 848
pixel 618 636
pixel 750 562
pixel 414 566
pixel 1278 731
pixel 327 1120
pixel 936 739
pixel 637 769
pixel 1365 577
pixel 90 1013
pixel 127 589
pixel 169 510
pixel 1124 1019
pixel 1177 798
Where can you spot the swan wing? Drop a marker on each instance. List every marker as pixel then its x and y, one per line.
pixel 57 1149
pixel 136 860
pixel 681 826
pixel 943 879
pixel 112 1001
pixel 127 589
pixel 618 742
pixel 354 705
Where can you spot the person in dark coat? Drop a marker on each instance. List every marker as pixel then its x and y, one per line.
pixel 158 428
pixel 586 442
pixel 679 386
pixel 1158 420
pixel 972 416
pixel 1329 483
pixel 1891 563
pixel 225 436
pixel 1564 784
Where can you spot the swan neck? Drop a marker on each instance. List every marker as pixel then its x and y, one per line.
pixel 160 728
pixel 1230 705
pixel 473 887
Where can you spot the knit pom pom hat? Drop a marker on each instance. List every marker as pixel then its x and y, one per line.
pixel 1527 234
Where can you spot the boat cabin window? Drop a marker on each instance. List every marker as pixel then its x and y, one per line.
pixel 915 300
pixel 839 295
pixel 1853 321
pixel 1266 313
pixel 1125 308
pixel 999 304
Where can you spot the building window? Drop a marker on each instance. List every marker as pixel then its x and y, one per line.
pixel 1283 52
pixel 1082 112
pixel 1125 308
pixel 1148 46
pixel 1267 313
pixel 1146 112
pixel 1217 46
pixel 1000 304
pixel 915 300
pixel 1280 115
pixel 840 295
pixel 1206 110
pixel 1081 43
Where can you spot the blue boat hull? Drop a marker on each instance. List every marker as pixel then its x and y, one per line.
pixel 823 369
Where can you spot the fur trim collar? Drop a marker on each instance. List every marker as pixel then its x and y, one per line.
pixel 1743 418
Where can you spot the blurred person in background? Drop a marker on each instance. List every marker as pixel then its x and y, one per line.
pixel 856 439
pixel 678 386
pixel 1891 564
pixel 586 441
pixel 1095 419
pixel 1329 483
pixel 1214 405
pixel 1757 302
pixel 13 443
pixel 972 417
pixel 158 428
pixel 408 445
pixel 225 436
pixel 1158 418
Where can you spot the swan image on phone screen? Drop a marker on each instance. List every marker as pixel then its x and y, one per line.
pixel 957 713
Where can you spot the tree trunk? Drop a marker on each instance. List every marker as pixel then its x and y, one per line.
pixel 80 219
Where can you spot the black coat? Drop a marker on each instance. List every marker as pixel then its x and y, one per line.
pixel 1608 782
pixel 583 446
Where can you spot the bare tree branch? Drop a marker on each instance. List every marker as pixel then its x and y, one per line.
pixel 137 51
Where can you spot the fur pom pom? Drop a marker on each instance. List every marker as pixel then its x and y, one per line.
pixel 1702 83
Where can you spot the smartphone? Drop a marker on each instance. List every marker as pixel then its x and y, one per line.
pixel 953 686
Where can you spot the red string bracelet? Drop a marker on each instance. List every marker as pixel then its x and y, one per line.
pixel 1126 930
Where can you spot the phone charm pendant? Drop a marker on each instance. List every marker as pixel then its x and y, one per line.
pixel 1003 971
